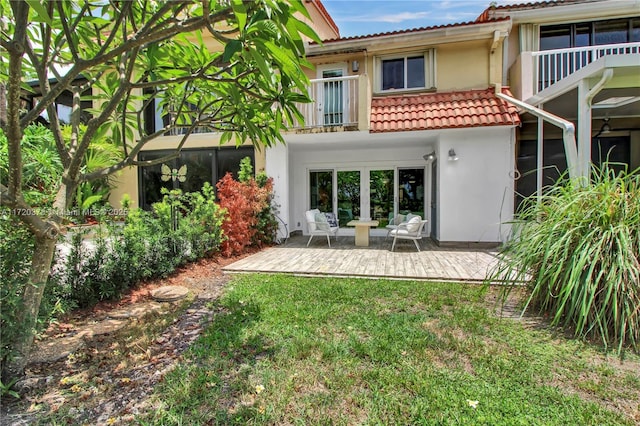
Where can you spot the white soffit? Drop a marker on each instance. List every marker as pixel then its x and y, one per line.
pixel 616 101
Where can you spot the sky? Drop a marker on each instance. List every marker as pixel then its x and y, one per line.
pixel 360 17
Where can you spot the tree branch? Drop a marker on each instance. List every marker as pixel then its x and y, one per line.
pixel 28 215
pixel 114 32
pixel 14 85
pixel 138 40
pixel 107 110
pixel 177 80
pixel 67 32
pixel 130 159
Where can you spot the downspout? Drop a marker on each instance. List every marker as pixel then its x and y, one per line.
pixel 606 76
pixel 568 130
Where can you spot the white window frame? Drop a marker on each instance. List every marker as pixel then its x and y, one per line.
pixel 429 71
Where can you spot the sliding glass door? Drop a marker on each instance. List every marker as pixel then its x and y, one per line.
pixel 411 191
pixel 374 193
pixel 381 196
pixel 349 190
pixel 321 190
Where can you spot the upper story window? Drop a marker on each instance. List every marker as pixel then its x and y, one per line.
pixel 403 73
pixel 410 72
pixel 157 117
pixel 590 34
pixel 63 105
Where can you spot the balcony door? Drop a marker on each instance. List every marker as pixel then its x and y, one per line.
pixel 331 105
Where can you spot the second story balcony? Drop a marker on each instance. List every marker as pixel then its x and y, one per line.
pixel 534 72
pixel 337 102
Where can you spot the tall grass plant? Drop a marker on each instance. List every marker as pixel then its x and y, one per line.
pixel 579 248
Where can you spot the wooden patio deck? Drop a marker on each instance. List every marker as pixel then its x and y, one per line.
pixel 376 261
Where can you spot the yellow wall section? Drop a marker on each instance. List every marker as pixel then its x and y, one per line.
pixel 462 66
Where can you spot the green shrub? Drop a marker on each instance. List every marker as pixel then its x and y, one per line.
pixel 16 246
pixel 203 222
pixel 267 226
pixel 180 229
pixel 580 247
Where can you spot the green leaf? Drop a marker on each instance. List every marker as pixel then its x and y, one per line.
pixel 308 31
pixel 40 10
pixel 233 47
pixel 240 11
pixel 286 61
pixel 263 66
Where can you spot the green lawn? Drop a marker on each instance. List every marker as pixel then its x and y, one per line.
pixel 291 350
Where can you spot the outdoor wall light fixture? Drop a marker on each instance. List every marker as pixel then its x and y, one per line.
pixel 355 66
pixel 430 156
pixel 452 155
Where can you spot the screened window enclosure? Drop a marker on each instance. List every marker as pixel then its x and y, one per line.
pixel 188 172
pixel 614 151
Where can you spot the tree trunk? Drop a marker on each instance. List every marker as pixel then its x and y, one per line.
pixel 43 253
pixel 46 234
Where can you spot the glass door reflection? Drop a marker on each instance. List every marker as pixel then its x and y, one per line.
pixel 411 191
pixel 381 196
pixel 348 196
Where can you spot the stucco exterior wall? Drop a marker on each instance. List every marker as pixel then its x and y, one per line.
pixel 462 66
pixel 302 161
pixel 318 23
pixel 277 159
pixel 475 196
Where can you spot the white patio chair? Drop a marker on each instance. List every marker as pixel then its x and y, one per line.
pixel 318 225
pixel 393 223
pixel 411 230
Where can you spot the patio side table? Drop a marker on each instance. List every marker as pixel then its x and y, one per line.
pixel 362 231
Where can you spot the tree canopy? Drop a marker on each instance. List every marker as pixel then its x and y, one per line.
pixel 227 66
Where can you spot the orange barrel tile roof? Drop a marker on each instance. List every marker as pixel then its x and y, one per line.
pixel 450 110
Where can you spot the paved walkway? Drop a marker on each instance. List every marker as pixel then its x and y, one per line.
pixel 344 259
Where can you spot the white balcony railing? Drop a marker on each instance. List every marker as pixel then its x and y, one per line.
pixel 554 65
pixel 335 103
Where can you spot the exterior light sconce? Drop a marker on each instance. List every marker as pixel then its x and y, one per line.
pixel 430 156
pixel 355 66
pixel 452 155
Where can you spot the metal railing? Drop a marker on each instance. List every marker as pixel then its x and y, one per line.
pixel 335 103
pixel 554 65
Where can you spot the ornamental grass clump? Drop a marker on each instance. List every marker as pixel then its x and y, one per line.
pixel 579 249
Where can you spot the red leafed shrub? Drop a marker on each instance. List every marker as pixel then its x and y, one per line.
pixel 243 202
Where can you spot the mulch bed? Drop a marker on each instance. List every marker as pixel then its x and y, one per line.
pixel 109 380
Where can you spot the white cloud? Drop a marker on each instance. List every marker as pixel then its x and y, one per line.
pixel 386 17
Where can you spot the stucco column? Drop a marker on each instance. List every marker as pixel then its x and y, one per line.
pixel 584 129
pixel 363 102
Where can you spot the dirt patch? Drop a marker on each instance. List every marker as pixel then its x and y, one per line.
pixel 109 378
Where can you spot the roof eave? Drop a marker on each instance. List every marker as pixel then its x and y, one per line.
pixel 449 34
pixel 570 12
